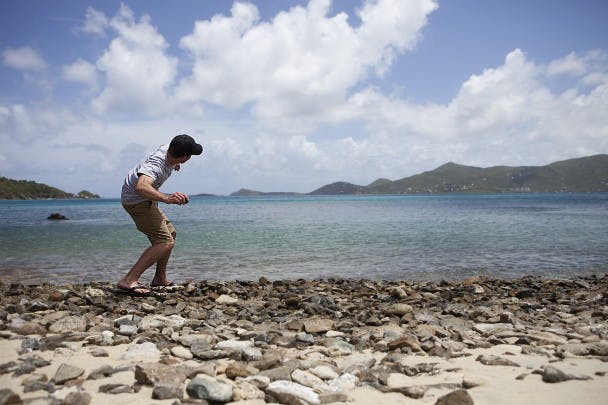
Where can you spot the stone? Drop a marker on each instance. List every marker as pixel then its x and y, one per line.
pixel 77 398
pixel 399 309
pixel 69 324
pixel 491 360
pixel 66 372
pixel 324 372
pixel 127 330
pixel 8 397
pixel 245 391
pixel 181 352
pixel 101 372
pixel 115 388
pixel 488 329
pixel 163 391
pixel 30 328
pixel 318 325
pixel 555 375
pixel 288 392
pixel 161 321
pixel 546 338
pixel 144 351
pixel 236 345
pixel 458 397
pixel 226 300
pixel 307 379
pixel 157 373
pixel 208 388
pixel 405 341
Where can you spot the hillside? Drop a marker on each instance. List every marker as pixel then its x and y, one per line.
pixel 30 190
pixel 244 192
pixel 587 174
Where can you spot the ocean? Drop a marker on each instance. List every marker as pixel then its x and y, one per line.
pixel 429 237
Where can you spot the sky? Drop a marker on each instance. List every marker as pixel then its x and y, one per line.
pixel 293 95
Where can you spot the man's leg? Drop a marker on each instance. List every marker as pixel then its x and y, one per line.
pixel 160 277
pixel 153 254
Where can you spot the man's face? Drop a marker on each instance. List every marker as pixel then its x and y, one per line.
pixel 183 159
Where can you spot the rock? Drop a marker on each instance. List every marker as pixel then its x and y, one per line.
pixel 289 393
pixel 8 397
pixel 30 328
pixel 69 324
pixel 458 397
pixel 101 372
pixel 491 360
pixel 318 325
pixel 77 398
pixel 127 330
pixel 488 329
pixel 555 375
pixel 181 352
pixel 208 388
pixel 157 373
pixel 307 379
pixel 236 345
pixel 115 388
pixel 161 321
pixel 405 341
pixel 398 292
pixel 245 391
pixel 57 217
pixel 167 392
pixel 65 372
pixel 546 338
pixel 324 372
pixel 399 309
pixel 226 300
pixel 144 351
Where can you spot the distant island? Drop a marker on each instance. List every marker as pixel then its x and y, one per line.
pixel 586 174
pixel 30 190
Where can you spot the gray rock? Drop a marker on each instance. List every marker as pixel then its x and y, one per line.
pixel 69 324
pixel 163 391
pixel 555 375
pixel 318 325
pixel 115 388
pixel 77 398
pixel 156 373
pixel 277 373
pixel 65 372
pixel 101 372
pixel 8 397
pixel 458 397
pixel 491 360
pixel 208 388
pixel 144 351
pixel 291 393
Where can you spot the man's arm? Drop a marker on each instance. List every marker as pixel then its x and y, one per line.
pixel 145 189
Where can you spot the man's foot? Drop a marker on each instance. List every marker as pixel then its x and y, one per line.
pixel 167 283
pixel 137 290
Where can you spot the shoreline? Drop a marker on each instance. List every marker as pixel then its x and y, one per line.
pixel 331 341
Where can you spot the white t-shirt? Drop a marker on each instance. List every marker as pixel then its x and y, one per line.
pixel 155 166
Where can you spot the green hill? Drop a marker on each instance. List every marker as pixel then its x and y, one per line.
pixel 30 190
pixel 587 174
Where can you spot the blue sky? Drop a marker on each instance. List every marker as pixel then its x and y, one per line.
pixel 292 95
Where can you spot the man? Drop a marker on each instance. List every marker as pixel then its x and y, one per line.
pixel 140 196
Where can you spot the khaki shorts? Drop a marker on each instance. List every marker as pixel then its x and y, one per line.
pixel 151 221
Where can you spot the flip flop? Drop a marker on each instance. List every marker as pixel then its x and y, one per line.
pixel 132 291
pixel 171 284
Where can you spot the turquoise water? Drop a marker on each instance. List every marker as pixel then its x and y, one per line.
pixel 378 237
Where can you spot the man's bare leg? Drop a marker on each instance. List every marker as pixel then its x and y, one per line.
pixel 150 256
pixel 160 277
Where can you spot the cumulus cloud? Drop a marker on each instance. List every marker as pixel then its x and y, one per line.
pixel 23 58
pixel 138 72
pixel 82 72
pixel 23 124
pixel 95 22
pixel 302 62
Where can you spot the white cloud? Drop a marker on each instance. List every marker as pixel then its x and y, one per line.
pixel 138 72
pixel 82 72
pixel 23 58
pixel 23 124
pixel 301 63
pixel 95 23
pixel 570 64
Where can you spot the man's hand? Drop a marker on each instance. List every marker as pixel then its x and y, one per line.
pixel 178 198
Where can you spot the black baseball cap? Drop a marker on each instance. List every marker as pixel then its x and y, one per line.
pixel 184 145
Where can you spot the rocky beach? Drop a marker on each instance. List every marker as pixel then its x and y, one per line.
pixel 329 341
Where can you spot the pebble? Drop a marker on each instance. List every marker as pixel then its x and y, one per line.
pixel 296 341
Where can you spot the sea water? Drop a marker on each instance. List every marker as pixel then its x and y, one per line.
pixel 377 237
